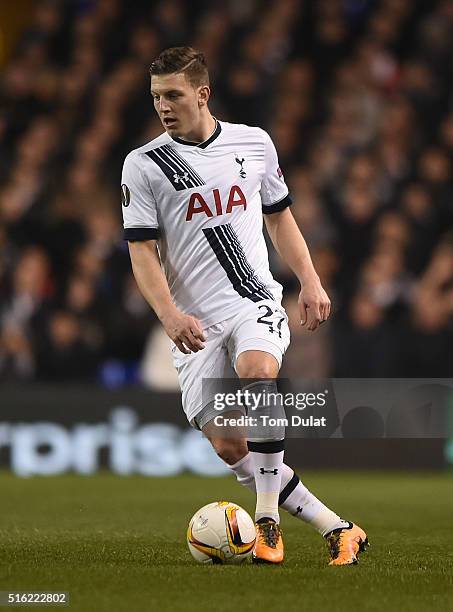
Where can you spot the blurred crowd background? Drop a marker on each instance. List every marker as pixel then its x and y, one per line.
pixel 358 98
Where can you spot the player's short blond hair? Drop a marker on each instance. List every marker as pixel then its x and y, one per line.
pixel 185 60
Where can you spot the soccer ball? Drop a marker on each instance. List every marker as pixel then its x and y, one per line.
pixel 221 532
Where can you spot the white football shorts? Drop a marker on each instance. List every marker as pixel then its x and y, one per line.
pixel 258 326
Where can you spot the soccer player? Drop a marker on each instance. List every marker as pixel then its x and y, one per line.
pixel 194 199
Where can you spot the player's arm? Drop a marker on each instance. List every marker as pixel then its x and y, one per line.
pixel 185 331
pixel 141 230
pixel 289 243
pixel 287 239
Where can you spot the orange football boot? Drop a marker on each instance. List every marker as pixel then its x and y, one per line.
pixel 346 544
pixel 269 543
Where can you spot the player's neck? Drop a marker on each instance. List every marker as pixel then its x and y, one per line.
pixel 203 131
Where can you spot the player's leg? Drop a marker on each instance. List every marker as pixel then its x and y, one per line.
pixel 344 539
pixel 266 442
pixel 215 362
pixel 229 442
pixel 257 339
pixel 294 497
pixel 258 371
pixel 270 333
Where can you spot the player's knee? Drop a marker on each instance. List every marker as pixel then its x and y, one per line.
pixel 257 365
pixel 231 450
pixel 258 371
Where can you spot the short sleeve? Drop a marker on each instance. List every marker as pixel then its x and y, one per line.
pixel 274 191
pixel 138 203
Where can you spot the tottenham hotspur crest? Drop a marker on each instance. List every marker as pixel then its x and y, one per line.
pixel 242 172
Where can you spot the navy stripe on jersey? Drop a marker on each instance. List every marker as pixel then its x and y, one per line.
pixel 180 174
pixel 233 261
pixel 177 157
pixel 245 268
pixel 244 262
pixel 268 209
pixel 167 169
pixel 138 234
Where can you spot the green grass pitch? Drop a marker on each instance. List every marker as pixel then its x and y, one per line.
pixel 119 544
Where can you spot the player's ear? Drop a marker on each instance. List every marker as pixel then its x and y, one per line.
pixel 203 95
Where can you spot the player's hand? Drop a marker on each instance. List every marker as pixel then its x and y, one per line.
pixel 314 304
pixel 185 331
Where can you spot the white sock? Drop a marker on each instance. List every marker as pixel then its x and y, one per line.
pixel 326 521
pixel 293 497
pixel 301 503
pixel 267 461
pixel 244 472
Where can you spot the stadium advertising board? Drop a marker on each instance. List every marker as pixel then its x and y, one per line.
pixel 53 430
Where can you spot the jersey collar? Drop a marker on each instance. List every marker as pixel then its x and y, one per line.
pixel 205 143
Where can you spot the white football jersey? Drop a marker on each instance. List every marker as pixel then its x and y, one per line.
pixel 204 204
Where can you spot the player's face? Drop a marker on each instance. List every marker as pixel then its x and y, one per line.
pixel 178 104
